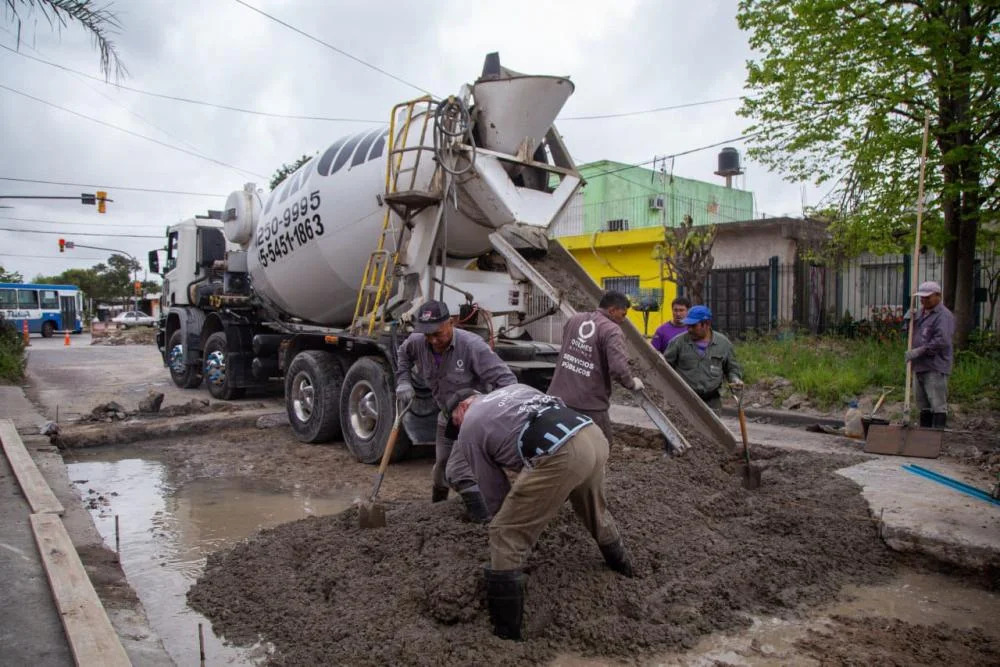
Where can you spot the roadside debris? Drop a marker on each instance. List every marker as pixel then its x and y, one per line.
pixel 151 404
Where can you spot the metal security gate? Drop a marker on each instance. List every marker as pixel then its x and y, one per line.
pixel 740 299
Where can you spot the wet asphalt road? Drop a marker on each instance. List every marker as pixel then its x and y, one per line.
pixel 78 377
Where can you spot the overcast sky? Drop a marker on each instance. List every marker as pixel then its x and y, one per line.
pixel 623 56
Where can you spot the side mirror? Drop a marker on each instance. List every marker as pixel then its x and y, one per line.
pixel 154 261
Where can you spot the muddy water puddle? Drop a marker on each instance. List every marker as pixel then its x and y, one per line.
pixel 165 530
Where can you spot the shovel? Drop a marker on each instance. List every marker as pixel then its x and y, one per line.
pixel 749 472
pixel 370 514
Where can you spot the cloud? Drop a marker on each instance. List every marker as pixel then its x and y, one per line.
pixel 622 56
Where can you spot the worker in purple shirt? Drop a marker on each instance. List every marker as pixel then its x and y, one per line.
pixel 592 355
pixel 559 454
pixel 448 359
pixel 931 355
pixel 667 331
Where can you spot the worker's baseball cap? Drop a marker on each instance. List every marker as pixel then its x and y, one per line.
pixel 431 316
pixel 928 288
pixel 697 314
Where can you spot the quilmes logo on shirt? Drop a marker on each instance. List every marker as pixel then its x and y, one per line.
pixel 576 358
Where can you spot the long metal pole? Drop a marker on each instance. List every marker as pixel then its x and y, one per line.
pixel 916 267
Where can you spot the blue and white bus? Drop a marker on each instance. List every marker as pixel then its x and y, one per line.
pixel 47 308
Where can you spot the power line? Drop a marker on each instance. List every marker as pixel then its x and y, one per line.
pixel 192 101
pixel 673 155
pixel 645 111
pixel 134 134
pixel 123 236
pixel 334 48
pixel 113 187
pixel 72 224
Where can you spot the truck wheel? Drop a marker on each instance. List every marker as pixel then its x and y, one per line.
pixel 312 390
pixel 214 366
pixel 48 329
pixel 183 375
pixel 367 411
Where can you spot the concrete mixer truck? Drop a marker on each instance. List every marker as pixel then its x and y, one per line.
pixel 315 284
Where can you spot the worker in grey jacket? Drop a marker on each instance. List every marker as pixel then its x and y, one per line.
pixel 560 454
pixel 592 355
pixel 931 355
pixel 448 359
pixel 704 358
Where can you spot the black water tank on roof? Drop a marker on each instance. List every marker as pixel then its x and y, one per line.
pixel 729 161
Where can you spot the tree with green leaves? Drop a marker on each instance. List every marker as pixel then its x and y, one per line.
pixel 284 170
pixel 99 21
pixel 686 253
pixel 839 95
pixel 10 276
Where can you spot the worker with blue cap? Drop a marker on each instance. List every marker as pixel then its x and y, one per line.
pixel 704 358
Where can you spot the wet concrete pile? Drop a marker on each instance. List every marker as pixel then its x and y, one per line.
pixel 708 554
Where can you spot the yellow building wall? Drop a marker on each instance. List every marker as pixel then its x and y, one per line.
pixel 626 253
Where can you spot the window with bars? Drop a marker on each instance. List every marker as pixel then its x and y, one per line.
pixel 627 285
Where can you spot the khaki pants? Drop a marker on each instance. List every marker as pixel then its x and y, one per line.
pixel 576 472
pixel 602 419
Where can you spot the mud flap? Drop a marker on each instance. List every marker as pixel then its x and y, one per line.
pixel 902 440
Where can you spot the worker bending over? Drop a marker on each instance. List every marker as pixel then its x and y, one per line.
pixel 704 358
pixel 593 354
pixel 448 359
pixel 559 454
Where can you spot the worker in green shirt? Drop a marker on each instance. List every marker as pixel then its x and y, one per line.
pixel 704 358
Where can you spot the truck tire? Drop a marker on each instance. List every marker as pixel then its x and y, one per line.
pixel 368 409
pixel 183 375
pixel 48 329
pixel 312 393
pixel 214 365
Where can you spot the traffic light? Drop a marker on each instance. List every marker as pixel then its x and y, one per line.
pixel 138 288
pixel 62 245
pixel 101 197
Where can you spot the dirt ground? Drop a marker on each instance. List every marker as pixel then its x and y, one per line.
pixel 708 553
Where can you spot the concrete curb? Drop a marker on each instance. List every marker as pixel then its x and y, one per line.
pixel 151 428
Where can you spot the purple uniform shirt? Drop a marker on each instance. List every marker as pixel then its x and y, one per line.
pixel 468 362
pixel 665 333
pixel 932 334
pixel 592 354
pixel 489 436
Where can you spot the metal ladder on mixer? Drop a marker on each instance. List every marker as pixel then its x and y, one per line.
pixel 403 200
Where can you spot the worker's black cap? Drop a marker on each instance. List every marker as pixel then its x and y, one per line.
pixel 431 316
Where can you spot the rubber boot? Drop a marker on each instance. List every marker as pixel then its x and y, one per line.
pixel 617 558
pixel 926 419
pixel 439 493
pixel 940 420
pixel 505 600
pixel 475 506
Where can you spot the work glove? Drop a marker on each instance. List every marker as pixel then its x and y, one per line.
pixel 637 384
pixel 405 393
pixel 735 383
pixel 914 353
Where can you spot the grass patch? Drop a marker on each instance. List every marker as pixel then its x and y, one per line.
pixel 12 359
pixel 831 371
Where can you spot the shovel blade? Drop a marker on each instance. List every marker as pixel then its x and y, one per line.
pixel 750 475
pixel 371 515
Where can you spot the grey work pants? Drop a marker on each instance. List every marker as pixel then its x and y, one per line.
pixel 932 391
pixel 576 472
pixel 450 467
